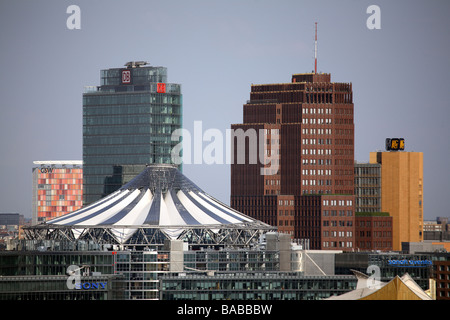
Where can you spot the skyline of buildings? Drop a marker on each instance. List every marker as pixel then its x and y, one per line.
pixel 119 247
pixel 373 54
pixel 308 135
pixel 307 148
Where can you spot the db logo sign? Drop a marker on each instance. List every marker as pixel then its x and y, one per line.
pixel 126 76
pixel 161 88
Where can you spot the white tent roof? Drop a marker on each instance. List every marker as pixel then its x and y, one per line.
pixel 160 196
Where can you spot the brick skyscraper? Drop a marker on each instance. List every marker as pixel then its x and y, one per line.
pixel 307 128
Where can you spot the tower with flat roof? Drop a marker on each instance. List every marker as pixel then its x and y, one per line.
pixel 127 123
pixel 305 128
pixel 402 193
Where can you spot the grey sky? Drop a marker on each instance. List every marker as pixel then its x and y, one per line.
pixel 216 50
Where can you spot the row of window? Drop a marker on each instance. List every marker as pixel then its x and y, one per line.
pixel 317 121
pixel 60 176
pixel 376 224
pixel 319 182
pixel 318 110
pixel 129 139
pixel 337 244
pixel 271 131
pixel 286 212
pixel 132 120
pixel 314 131
pixel 285 202
pixel 317 141
pixel 374 244
pixel 367 171
pixel 319 172
pixel 376 234
pixel 123 110
pixel 90 100
pixel 72 201
pixel 155 128
pixel 120 150
pixel 129 159
pixel 285 223
pixel 53 186
pixel 234 283
pixel 444 268
pixel 272 182
pixel 373 181
pixel 336 213
pixel 60 181
pixel 58 190
pixel 336 234
pixel 347 203
pixel 316 162
pixel 316 151
pixel 337 223
pixel 368 202
pixel 56 211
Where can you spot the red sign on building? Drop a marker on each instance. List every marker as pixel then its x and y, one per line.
pixel 126 77
pixel 161 88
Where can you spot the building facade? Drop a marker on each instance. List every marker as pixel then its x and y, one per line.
pixel 127 123
pixel 50 287
pixel 373 231
pixel 442 276
pixel 10 228
pixel 436 230
pixel 57 189
pixel 254 286
pixel 11 219
pixel 302 133
pixel 39 270
pixel 402 193
pixel 367 187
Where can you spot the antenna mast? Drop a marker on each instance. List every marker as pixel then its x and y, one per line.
pixel 315 52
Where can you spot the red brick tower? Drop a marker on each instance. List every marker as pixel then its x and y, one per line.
pixel 305 135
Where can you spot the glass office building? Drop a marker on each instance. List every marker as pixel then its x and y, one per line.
pixel 127 123
pixel 254 286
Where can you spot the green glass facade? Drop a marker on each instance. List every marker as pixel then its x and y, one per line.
pixel 254 286
pixel 127 123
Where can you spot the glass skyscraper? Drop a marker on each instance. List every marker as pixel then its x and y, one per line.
pixel 127 123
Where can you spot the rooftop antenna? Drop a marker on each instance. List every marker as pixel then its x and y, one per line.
pixel 315 52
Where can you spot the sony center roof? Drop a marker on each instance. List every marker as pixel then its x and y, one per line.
pixel 161 197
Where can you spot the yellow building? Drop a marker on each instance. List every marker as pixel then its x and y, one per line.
pixel 402 193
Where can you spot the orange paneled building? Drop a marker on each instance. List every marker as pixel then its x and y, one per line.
pixel 57 189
